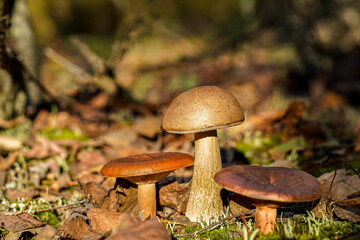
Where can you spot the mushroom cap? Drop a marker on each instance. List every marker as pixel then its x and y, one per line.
pixel 146 168
pixel 276 184
pixel 202 109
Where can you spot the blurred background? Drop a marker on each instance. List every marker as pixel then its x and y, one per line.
pixel 293 65
pixel 153 48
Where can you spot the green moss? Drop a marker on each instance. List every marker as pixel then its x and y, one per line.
pixel 303 228
pixel 20 131
pixel 62 133
pixel 48 217
pixel 3 232
pixel 219 232
pixel 255 146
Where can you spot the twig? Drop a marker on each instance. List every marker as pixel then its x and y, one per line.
pixel 327 196
pixel 96 62
pixel 217 223
pixel 71 67
pixel 63 206
pixel 354 170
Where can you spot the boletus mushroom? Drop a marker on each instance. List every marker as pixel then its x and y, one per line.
pixel 267 188
pixel 203 110
pixel 145 170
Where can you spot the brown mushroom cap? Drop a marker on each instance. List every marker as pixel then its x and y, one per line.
pixel 202 109
pixel 146 168
pixel 276 184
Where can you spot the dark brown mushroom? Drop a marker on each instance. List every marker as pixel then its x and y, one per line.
pixel 145 170
pixel 268 188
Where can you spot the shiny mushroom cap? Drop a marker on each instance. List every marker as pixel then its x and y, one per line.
pixel 276 184
pixel 202 109
pixel 146 168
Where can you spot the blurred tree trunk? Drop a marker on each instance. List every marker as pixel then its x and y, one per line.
pixel 16 91
pixel 26 46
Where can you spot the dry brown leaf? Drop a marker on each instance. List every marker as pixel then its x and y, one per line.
pixel 90 159
pixel 175 196
pixel 63 181
pixel 48 232
pixel 45 148
pixel 130 228
pixel 120 138
pixel 121 200
pixel 94 190
pixel 7 162
pixel 15 222
pixel 99 101
pixel 77 228
pixel 335 189
pixel 247 93
pixel 148 127
pixel 19 193
pixel 343 185
pixel 65 120
pixel 103 220
pixel 282 120
pixel 348 209
pixel 42 120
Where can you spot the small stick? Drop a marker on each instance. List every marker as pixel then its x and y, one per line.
pixel 217 223
pixel 71 67
pixel 327 196
pixel 96 62
pixel 356 172
pixel 64 206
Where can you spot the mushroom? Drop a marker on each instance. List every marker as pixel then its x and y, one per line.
pixel 202 111
pixel 267 188
pixel 145 170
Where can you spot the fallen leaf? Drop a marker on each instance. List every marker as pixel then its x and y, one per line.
pixel 120 138
pixel 148 127
pixel 175 196
pixel 247 94
pixel 86 160
pixel 94 190
pixel 12 195
pixel 348 209
pixel 63 181
pixel 130 228
pixel 342 186
pixel 103 220
pixel 78 229
pixel 15 222
pixel 46 233
pixel 7 162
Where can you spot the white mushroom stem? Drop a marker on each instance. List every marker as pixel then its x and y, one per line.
pixel 204 200
pixel 147 199
pixel 265 218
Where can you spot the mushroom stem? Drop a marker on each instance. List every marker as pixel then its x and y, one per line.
pixel 146 199
pixel 265 218
pixel 204 200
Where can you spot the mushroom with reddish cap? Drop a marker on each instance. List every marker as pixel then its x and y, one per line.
pixel 202 111
pixel 145 170
pixel 268 188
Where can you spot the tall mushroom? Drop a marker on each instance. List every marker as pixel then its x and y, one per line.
pixel 202 111
pixel 145 170
pixel 267 188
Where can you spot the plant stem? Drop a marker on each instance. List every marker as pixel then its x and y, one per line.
pixel 218 223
